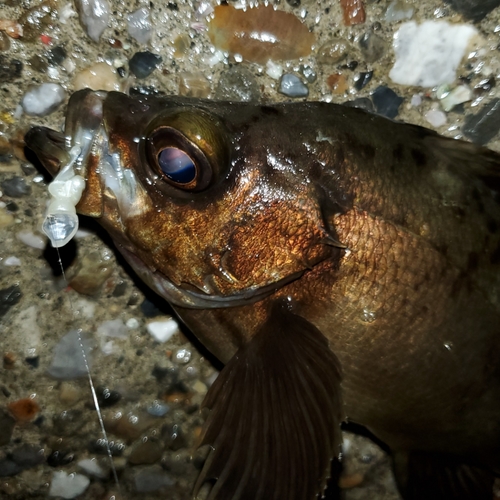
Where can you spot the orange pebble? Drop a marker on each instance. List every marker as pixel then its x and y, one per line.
pixel 354 12
pixel 24 410
pixel 259 34
pixel 337 83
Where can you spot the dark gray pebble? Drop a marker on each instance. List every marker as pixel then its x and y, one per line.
pixel 9 468
pixel 60 458
pixel 474 9
pixel 372 47
pixel 143 64
pixel 7 424
pixel 67 360
pixel 149 309
pixel 361 103
pixel 386 101
pixel 15 187
pixel 362 79
pixel 9 297
pixel 292 86
pixel 107 397
pixel 10 69
pixel 28 455
pixel 152 478
pixel 56 55
pixel 484 125
pixel 237 84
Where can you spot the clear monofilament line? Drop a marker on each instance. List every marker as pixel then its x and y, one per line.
pixel 92 387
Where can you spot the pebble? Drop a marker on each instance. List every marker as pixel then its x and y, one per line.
pixel 475 10
pixel 152 478
pixel 68 485
pixel 308 72
pixel 398 10
pixel 16 187
pixel 260 33
pixel 372 46
pixel 6 220
pixel 99 76
pixel 67 360
pixel 158 409
pixel 69 394
pixel 149 309
pixel 145 453
pixel 292 86
pixel 435 117
pixel 182 356
pixel 4 42
pixel 94 16
pixel 9 468
pixel 28 455
pixel 9 297
pixel 362 80
pixel 144 63
pixel 7 424
pixel 57 55
pixel 484 125
pixel 24 410
pixel 386 101
pixel 107 397
pixel 12 261
pixel 333 51
pixel 43 99
pixel 237 84
pixel 89 273
pixel 31 239
pixel 274 70
pixel 112 328
pixel 458 95
pixel 353 12
pixel 139 25
pixel 36 20
pixel 163 330
pixel 337 83
pixel 429 54
pixel 91 467
pixel 194 84
pixel 10 69
pixel 60 458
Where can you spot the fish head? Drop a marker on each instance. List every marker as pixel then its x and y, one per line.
pixel 197 195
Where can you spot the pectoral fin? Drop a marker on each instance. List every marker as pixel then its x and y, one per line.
pixel 275 414
pixel 441 477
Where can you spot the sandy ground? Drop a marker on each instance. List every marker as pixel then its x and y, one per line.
pixel 137 367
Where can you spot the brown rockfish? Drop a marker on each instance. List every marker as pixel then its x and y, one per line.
pixel 342 266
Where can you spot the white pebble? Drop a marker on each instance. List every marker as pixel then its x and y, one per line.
pixel 139 25
pixel 43 99
pixel 132 323
pixel 90 466
pixel 163 330
pixel 274 70
pixel 458 95
pixel 429 54
pixel 31 239
pixel 112 328
pixel 12 261
pixel 68 485
pixel 435 117
pixel 94 15
pixel 416 100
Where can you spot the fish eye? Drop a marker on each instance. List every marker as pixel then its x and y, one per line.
pixel 189 149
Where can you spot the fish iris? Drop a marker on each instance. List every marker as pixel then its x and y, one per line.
pixel 177 165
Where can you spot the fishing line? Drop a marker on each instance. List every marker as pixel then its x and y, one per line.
pixel 89 376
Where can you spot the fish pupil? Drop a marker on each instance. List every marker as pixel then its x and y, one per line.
pixel 177 165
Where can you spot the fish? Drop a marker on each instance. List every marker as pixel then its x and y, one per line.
pixel 343 267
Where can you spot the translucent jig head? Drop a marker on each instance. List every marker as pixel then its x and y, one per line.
pixel 61 220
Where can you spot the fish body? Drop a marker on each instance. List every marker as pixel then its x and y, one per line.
pixel 343 266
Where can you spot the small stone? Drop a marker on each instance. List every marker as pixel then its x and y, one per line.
pixel 174 437
pixel 99 76
pixel 10 69
pixel 386 101
pixel 484 125
pixel 475 10
pixel 9 468
pixel 9 297
pixel 6 220
pixel 28 455
pixel 60 458
pixel 333 51
pixel 337 83
pixel 57 55
pixel 372 47
pixel 145 453
pixel 69 394
pixel 274 70
pixel 88 274
pixel 94 16
pixel 181 45
pixel 68 485
pixel 152 478
pixel 149 309
pixel 139 25
pixel 308 73
pixel 99 446
pixel 353 11
pixel 16 187
pixel 91 467
pixel 43 99
pixel 67 360
pixel 4 42
pixel 163 330
pixel 33 362
pixel 31 239
pixel 237 84
pixel 398 10
pixel 362 79
pixel 429 54
pixel 158 409
pixel 107 397
pixel 24 410
pixel 7 423
pixel 435 117
pixel 292 86
pixel 293 3
pixel 143 64
pixel 36 20
pixel 181 356
pixel 457 96
pixel 194 84
pixel 114 328
pixel 38 63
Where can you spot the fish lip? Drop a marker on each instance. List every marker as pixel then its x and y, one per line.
pixel 190 299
